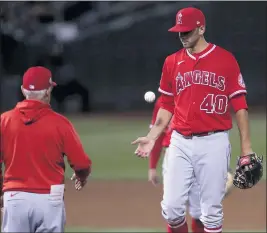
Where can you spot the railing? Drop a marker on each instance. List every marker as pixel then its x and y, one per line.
pixel 124 17
pixel 105 16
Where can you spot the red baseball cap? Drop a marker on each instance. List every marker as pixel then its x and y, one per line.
pixel 37 78
pixel 187 19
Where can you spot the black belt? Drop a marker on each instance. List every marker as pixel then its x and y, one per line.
pixel 203 134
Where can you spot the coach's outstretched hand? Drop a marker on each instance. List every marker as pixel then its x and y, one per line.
pixel 145 146
pixel 78 184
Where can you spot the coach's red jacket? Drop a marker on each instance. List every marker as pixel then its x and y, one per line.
pixel 34 141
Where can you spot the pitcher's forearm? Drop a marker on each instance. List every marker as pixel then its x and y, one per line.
pixel 243 126
pixel 162 121
pixel 156 152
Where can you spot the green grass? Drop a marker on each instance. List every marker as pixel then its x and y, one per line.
pixel 107 141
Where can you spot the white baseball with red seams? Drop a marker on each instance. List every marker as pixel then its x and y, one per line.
pixel 150 96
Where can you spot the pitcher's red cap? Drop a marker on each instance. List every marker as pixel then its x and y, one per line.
pixel 37 78
pixel 187 19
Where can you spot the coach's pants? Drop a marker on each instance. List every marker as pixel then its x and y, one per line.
pixel 31 212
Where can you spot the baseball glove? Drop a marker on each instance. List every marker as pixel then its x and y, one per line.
pixel 249 171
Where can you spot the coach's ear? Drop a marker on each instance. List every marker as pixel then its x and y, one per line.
pixel 21 87
pixel 201 30
pixel 49 91
pixel 48 94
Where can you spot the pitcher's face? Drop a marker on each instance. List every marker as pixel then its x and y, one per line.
pixel 189 39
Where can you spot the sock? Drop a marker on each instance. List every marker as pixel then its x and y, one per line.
pixel 197 226
pixel 213 230
pixel 169 230
pixel 181 229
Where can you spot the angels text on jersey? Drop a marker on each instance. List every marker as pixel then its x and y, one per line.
pixel 199 77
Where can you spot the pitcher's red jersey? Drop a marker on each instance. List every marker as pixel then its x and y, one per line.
pixel 202 85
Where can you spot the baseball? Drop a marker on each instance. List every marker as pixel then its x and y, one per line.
pixel 150 96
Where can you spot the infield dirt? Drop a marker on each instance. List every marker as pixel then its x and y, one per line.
pixel 136 204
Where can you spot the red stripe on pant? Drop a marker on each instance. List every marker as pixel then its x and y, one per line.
pixel 213 230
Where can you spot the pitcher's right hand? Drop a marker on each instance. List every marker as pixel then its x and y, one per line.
pixel 145 145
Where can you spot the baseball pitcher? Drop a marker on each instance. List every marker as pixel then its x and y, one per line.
pixel 34 142
pixel 199 84
pixel 162 143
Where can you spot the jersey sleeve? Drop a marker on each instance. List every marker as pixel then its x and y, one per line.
pixel 165 81
pixel 165 88
pixel 73 149
pixel 239 102
pixel 236 84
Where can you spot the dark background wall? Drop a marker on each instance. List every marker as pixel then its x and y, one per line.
pixel 118 67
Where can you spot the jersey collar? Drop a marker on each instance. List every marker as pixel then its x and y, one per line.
pixel 202 54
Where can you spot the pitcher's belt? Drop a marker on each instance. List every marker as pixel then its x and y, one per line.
pixel 202 134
